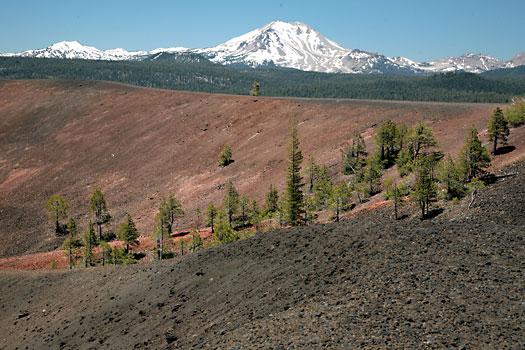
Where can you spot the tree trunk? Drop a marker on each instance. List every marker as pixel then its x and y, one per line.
pixel 495 145
pixel 70 256
pixel 395 207
pixel 161 243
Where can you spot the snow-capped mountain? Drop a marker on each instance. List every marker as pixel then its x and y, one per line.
pixel 290 45
pixel 473 63
pixel 73 49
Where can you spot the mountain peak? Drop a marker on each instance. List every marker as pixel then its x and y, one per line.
pixel 291 45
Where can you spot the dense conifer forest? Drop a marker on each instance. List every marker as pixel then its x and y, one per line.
pixel 195 73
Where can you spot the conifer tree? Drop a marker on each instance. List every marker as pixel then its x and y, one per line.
pixel 497 130
pixel 196 240
pixel 90 240
pixel 56 208
pixel 106 251
pixel 395 193
pixel 425 188
pixel 354 155
pixel 243 206
pixel 255 213
pixel 225 157
pixel 323 188
pixel 99 207
pixel 417 141
pixel 339 200
pixel 515 113
pixel 211 214
pixel 256 91
pixel 449 176
pixel 371 175
pixel 224 232
pixel 231 202
pixel 386 139
pixel 312 171
pixel 161 229
pixel 473 156
pixel 272 199
pixel 71 244
pixel 310 210
pixel 128 233
pixel 173 210
pixel 293 193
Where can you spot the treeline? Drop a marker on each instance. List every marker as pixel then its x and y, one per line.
pixel 426 175
pixel 199 74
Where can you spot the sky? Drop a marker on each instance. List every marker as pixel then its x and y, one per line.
pixel 419 30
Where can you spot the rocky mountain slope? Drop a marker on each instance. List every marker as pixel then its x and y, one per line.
pixel 291 45
pixel 138 144
pixel 454 281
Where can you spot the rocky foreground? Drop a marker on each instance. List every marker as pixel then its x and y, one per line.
pixel 454 281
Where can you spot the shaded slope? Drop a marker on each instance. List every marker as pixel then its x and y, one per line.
pixel 138 144
pixel 372 282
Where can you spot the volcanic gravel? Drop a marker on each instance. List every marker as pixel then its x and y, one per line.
pixel 451 282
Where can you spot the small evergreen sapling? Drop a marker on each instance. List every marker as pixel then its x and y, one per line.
pixel 225 157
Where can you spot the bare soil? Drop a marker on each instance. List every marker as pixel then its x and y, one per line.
pixel 138 144
pixel 451 282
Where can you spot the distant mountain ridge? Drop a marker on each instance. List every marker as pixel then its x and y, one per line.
pixel 291 45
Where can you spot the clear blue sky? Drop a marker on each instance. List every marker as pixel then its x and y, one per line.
pixel 420 30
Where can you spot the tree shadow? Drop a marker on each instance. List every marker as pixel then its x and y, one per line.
pixel 433 213
pixel 504 150
pixel 179 234
pixel 402 217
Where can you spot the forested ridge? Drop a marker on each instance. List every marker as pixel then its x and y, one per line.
pixel 177 72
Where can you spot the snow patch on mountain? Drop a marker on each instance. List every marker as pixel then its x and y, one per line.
pixel 290 45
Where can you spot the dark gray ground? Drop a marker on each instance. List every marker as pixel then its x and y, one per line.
pixel 452 282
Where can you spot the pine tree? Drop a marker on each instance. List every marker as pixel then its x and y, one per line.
pixel 515 113
pixel 272 198
pixel 294 194
pixel 312 170
pixel 323 188
pixel 161 229
pixel 128 233
pixel 256 91
pixel 417 140
pixel 225 157
pixel 371 175
pixel 231 201
pixel 497 129
pixel 196 240
pixel 106 251
pixel 354 155
pixel 310 210
pixel 90 240
pixel 56 208
pixel 473 156
pixel 211 214
pixel 99 207
pixel 449 176
pixel 71 244
pixel 255 214
pixel 395 193
pixel 173 210
pixel 339 200
pixel 224 233
pixel 243 206
pixel 386 139
pixel 425 188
